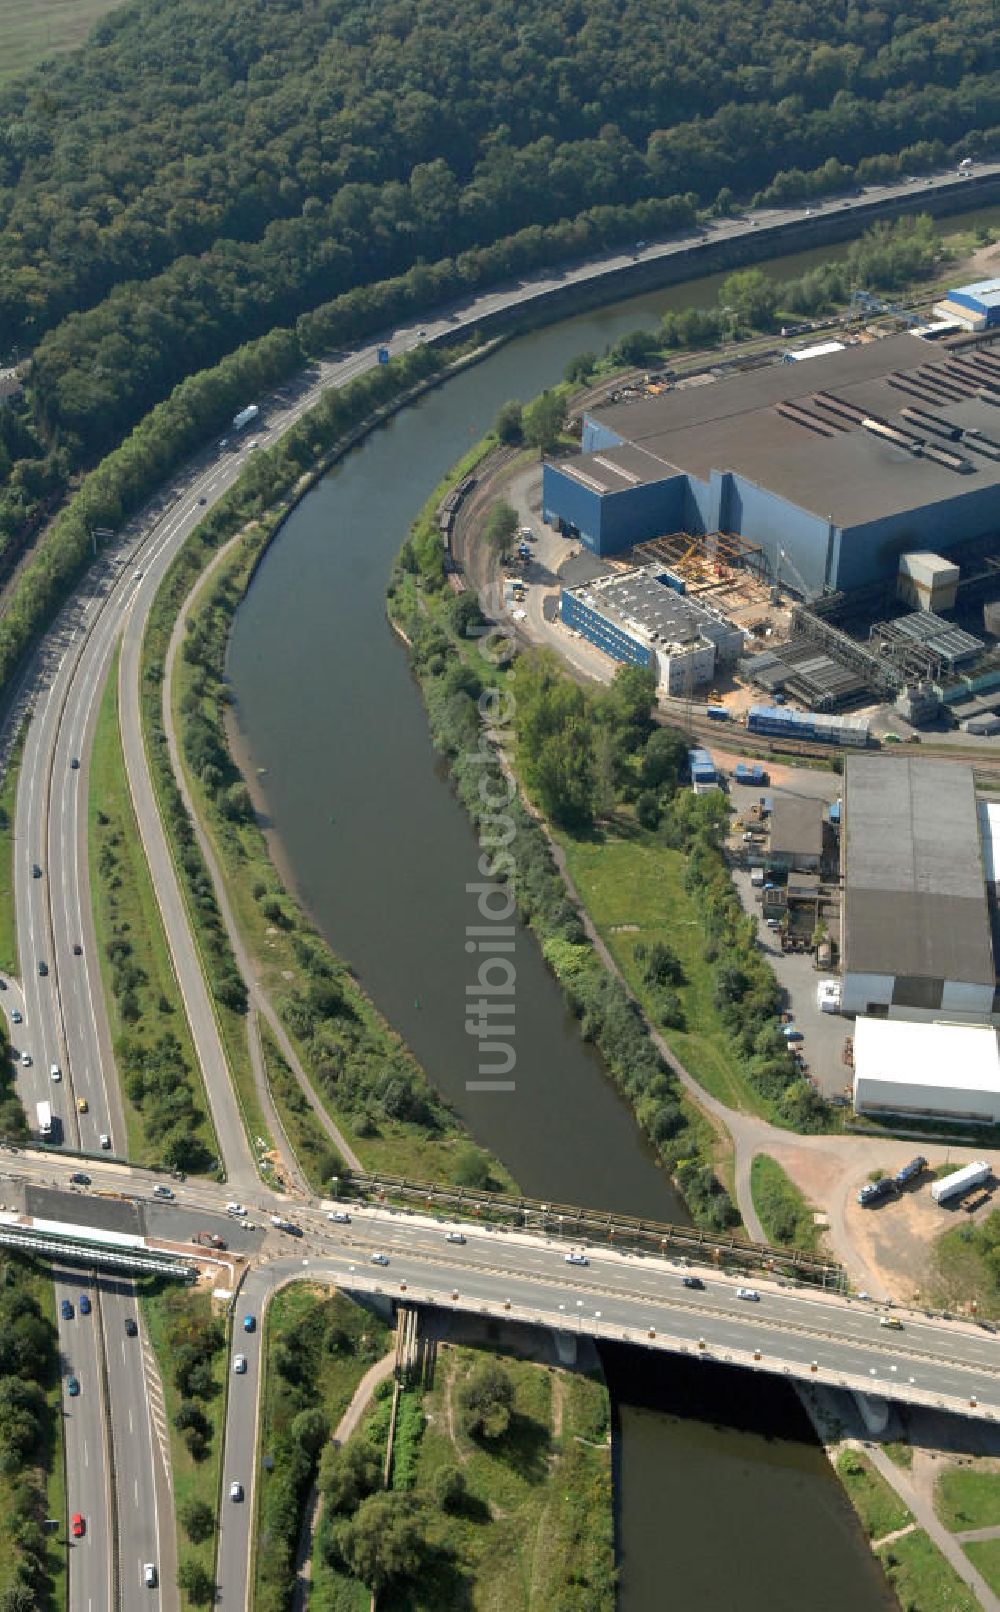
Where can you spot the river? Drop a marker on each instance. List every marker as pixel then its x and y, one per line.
pixel 369 834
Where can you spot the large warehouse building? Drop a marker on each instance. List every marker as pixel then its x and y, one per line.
pixel 940 1071
pixel 835 466
pixel 916 923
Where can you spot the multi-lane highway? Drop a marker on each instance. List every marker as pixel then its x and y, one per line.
pixel 65 1022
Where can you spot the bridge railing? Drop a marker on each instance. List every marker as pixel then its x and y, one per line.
pixel 576 1224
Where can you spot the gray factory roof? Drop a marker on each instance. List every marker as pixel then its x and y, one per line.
pixel 835 467
pixel 637 599
pixel 914 889
pixel 796 826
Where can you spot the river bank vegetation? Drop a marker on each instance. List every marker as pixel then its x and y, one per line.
pixel 360 1069
pixel 499 1493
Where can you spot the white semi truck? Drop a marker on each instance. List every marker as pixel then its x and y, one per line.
pixel 961 1181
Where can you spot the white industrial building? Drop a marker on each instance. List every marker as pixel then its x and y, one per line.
pixel 927 582
pixel 941 1071
pixel 916 924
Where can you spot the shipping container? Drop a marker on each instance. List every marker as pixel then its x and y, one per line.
pixel 718 713
pixel 961 1181
pixel 245 416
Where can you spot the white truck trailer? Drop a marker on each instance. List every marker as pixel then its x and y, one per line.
pixel 961 1181
pixel 44 1112
pixel 243 419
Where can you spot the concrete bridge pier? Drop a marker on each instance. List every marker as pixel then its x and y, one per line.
pixel 874 1413
pixel 566 1347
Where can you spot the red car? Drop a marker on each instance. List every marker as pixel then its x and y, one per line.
pixel 79 1526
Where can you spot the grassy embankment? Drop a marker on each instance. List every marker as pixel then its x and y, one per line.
pixel 785 1214
pixel 141 991
pixel 8 799
pixel 529 1512
pixel 921 1577
pixel 967 1498
pixel 633 889
pixel 179 1319
pixel 46 28
pixel 965 1271
pixel 318 1344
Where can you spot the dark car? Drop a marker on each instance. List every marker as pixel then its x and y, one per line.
pixel 36 871
pixel 75 763
pixel 77 949
pixel 84 1304
pixel 203 500
pixel 692 1281
pixel 79 1179
pixel 131 1330
pixel 66 1310
pixel 73 1387
pixel 43 967
pixel 249 1324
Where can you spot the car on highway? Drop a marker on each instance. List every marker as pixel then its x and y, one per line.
pixel 692 1281
pixel 236 1490
pixel 36 871
pixel 131 1327
pixel 892 1321
pixel 235 1209
pixel 66 1310
pixel 79 1526
pixel 17 1017
pixel 161 1191
pixel 26 1059
pixel 149 1575
pixel 748 1293
pixel 43 967
pixel 55 1073
pixel 203 500
pixel 105 1141
pixel 82 1105
pixel 84 1304
pixel 249 1323
pixel 79 1179
pixel 239 1364
pixel 454 1237
pixel 75 763
pixel 339 1216
pixel 577 1259
pixel 72 1387
pixel 77 949
pixel 379 1259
